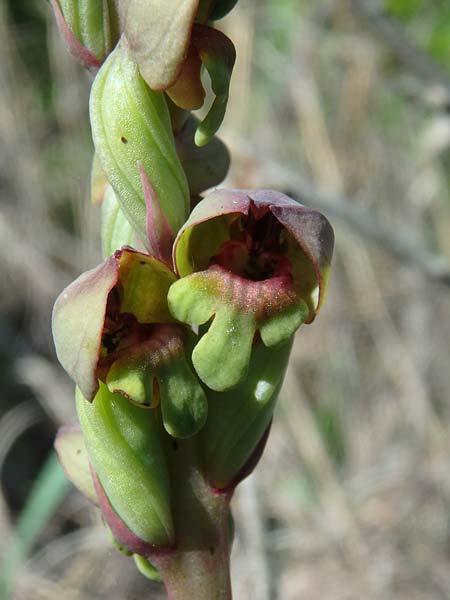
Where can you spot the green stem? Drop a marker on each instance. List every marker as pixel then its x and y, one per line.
pixel 199 568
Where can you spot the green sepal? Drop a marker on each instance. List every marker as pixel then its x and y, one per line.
pixel 238 418
pixel 125 449
pixel 146 568
pixel 222 355
pixel 131 126
pixel 116 230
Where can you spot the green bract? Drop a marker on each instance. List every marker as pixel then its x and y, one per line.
pixel 238 419
pixel 117 231
pixel 90 28
pixel 124 448
pixel 131 127
pixel 256 263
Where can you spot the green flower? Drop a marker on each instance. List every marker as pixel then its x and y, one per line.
pixel 113 325
pixel 253 264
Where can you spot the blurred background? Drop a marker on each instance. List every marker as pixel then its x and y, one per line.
pixel 345 105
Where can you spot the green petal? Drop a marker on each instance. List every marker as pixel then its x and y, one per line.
pixel 281 326
pixel 131 379
pixel 239 308
pixel 146 569
pixel 222 355
pixel 188 301
pixel 161 360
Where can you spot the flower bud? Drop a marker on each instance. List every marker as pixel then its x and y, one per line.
pixel 239 418
pixel 256 263
pixel 126 453
pixel 90 29
pixel 132 133
pixel 113 324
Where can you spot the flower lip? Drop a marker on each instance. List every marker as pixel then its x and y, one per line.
pixel 268 212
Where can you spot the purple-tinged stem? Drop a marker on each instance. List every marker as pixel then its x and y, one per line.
pixel 200 566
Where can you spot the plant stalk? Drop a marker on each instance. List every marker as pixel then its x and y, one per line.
pixel 199 567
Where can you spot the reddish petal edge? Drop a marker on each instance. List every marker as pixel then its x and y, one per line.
pixel 87 59
pixel 309 227
pixel 121 532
